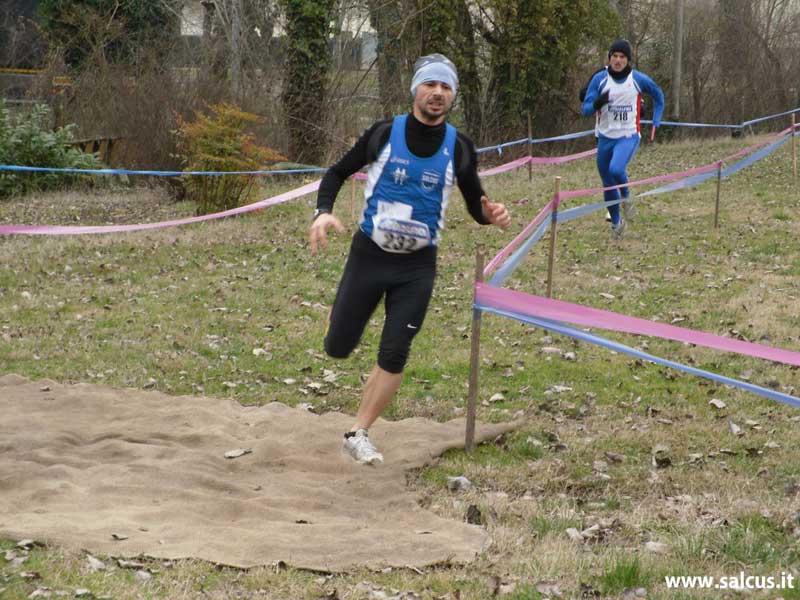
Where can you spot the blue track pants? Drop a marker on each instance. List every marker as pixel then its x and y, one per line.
pixel 613 156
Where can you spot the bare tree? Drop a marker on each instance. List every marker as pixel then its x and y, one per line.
pixel 677 60
pixel 391 19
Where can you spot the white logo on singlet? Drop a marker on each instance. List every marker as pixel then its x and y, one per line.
pixel 430 179
pixel 400 176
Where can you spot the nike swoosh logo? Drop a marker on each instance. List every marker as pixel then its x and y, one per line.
pixel 410 326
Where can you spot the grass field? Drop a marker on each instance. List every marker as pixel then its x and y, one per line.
pixel 627 452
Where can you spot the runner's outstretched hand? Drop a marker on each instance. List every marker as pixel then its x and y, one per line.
pixel 652 133
pixel 495 213
pixel 318 234
pixel 601 100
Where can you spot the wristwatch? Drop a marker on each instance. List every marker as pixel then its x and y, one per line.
pixel 318 212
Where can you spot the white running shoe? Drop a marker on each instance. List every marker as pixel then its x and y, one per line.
pixel 361 449
pixel 619 231
pixel 628 208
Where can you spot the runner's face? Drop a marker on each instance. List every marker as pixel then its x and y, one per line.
pixel 618 61
pixel 432 102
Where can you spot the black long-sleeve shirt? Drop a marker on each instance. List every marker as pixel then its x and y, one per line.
pixel 423 141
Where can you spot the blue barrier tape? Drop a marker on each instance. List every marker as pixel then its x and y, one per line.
pixel 680 184
pixel 499 147
pixel 512 262
pixel 581 211
pixel 567 136
pixel 760 119
pixel 682 124
pixel 754 157
pixel 564 216
pixel 597 340
pixel 726 172
pixel 155 173
pixel 558 138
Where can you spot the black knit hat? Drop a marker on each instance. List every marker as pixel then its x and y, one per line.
pixel 623 46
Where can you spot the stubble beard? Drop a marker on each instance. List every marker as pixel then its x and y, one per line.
pixel 433 116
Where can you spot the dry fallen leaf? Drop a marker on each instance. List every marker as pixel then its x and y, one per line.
pixel 129 564
pixel 459 484
pixel 656 547
pixel 238 452
pixel 549 588
pixel 574 535
pixel 592 533
pixel 95 564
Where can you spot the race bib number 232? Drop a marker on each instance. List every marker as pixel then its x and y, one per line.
pixel 400 235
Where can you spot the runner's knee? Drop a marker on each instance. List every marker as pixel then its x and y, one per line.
pixel 392 356
pixel 617 173
pixel 338 348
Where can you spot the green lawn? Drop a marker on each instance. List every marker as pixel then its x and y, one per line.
pixel 183 309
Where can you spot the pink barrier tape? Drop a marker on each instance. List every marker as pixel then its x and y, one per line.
pixel 505 252
pixel 520 162
pixel 312 187
pixel 679 175
pixel 749 149
pixel 285 197
pixel 584 336
pixel 84 229
pixel 557 160
pixel 585 316
pixel 514 164
pixel 656 179
pixel 510 166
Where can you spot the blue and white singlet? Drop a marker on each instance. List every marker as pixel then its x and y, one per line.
pixel 406 196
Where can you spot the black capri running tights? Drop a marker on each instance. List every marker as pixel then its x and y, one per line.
pixel 406 282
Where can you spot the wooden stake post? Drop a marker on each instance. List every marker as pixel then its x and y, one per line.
pixel 794 150
pixel 474 358
pixel 716 204
pixel 352 198
pixel 352 191
pixel 551 258
pixel 530 148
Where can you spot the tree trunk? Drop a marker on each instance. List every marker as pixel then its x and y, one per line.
pixel 469 78
pixel 386 17
pixel 736 19
pixel 308 60
pixel 677 60
pixel 235 66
